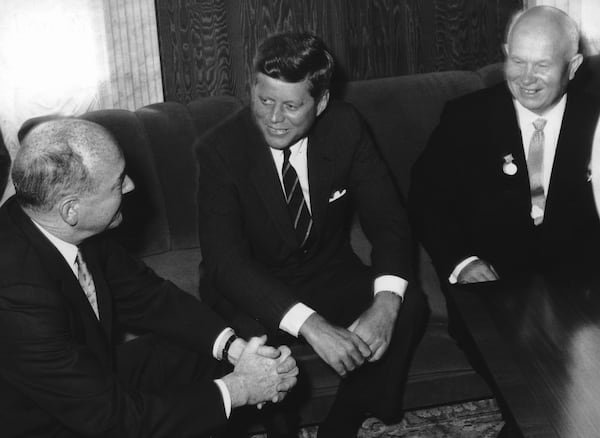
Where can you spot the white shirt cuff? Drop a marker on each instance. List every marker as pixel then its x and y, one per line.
pixel 454 275
pixel 294 318
pixel 226 396
pixel 220 341
pixel 390 283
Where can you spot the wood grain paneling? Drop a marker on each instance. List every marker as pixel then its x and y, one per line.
pixel 369 38
pixel 194 48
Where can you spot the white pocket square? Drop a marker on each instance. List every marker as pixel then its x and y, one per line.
pixel 337 195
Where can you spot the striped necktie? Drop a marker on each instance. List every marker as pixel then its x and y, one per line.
pixel 535 167
pixel 87 282
pixel 297 208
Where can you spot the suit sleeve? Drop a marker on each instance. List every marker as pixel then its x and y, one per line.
pixel 147 302
pixel 44 359
pixel 226 249
pixel 437 189
pixel 382 215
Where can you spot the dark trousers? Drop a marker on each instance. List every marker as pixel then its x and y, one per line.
pixel 341 294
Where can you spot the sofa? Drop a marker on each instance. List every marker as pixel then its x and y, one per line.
pixel 161 215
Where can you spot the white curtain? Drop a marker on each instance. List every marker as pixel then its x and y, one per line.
pixel 71 56
pixel 587 15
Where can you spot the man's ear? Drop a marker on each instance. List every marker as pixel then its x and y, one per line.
pixel 323 102
pixel 68 208
pixel 574 64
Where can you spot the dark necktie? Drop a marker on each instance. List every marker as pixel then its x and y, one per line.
pixel 535 167
pixel 297 208
pixel 87 283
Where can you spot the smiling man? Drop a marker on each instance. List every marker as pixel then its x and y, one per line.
pixel 279 185
pixel 503 184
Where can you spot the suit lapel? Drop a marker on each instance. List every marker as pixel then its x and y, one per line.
pixel 320 178
pixel 266 181
pixel 58 270
pixel 571 160
pixel 505 136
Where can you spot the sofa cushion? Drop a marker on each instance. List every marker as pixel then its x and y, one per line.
pixel 181 266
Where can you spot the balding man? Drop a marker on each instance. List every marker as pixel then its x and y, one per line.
pixel 503 185
pixel 62 287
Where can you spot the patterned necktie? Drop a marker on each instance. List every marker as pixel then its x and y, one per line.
pixel 297 208
pixel 535 166
pixel 87 283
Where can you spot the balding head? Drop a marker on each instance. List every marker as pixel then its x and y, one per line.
pixel 58 158
pixel 548 23
pixel 541 57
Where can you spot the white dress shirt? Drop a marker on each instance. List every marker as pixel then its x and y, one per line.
pixel 69 252
pixel 525 119
pixel 299 313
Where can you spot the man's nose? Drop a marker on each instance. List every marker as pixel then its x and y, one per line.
pixel 528 75
pixel 128 185
pixel 276 114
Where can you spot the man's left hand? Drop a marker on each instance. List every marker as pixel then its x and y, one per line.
pixel 376 324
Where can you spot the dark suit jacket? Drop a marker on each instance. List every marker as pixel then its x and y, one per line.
pixel 4 166
pixel 462 203
pixel 57 375
pixel 248 242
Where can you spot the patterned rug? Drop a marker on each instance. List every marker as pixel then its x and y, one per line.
pixel 477 419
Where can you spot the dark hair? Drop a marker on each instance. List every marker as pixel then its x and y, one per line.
pixel 294 57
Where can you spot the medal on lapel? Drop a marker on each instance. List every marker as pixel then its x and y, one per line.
pixel 509 167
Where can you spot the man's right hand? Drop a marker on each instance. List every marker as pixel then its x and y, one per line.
pixel 341 349
pixel 477 271
pixel 257 379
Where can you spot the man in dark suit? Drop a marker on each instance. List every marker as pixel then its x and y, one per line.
pixel 63 285
pixel 279 184
pixel 4 166
pixel 503 185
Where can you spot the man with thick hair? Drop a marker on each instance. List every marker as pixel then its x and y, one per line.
pixel 63 284
pixel 280 183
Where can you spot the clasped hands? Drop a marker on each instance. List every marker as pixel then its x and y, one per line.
pixel 261 373
pixel 366 340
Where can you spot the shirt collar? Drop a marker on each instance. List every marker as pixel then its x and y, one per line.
pixel 553 116
pixel 297 148
pixel 67 250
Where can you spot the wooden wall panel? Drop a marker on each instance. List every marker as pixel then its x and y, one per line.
pixel 369 38
pixel 194 48
pixel 469 33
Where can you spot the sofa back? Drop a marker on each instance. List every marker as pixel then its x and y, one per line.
pixel 161 214
pixel 402 111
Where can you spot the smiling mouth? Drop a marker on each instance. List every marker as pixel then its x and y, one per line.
pixel 528 92
pixel 276 131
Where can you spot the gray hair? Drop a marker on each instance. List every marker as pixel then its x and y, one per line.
pixel 568 26
pixel 56 159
